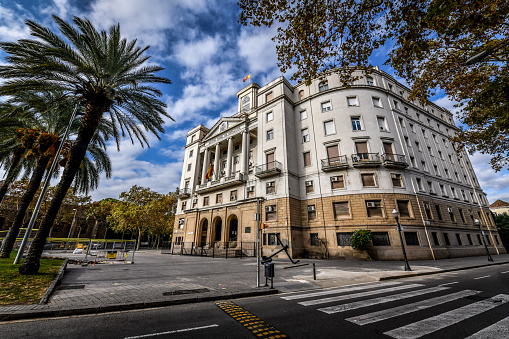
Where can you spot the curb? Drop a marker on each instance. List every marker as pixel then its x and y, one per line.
pixel 393 277
pixel 54 284
pixel 33 314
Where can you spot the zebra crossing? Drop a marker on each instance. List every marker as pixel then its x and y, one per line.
pixel 383 294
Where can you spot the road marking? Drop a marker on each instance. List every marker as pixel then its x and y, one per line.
pixel 430 325
pixel 341 290
pixel 170 332
pixel 254 324
pixel 409 308
pixel 454 282
pixel 358 295
pixel 486 276
pixel 380 300
pixel 496 330
pixel 504 272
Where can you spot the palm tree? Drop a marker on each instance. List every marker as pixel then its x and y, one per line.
pixel 53 123
pixel 98 68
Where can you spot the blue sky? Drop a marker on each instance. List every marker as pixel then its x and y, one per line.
pixel 206 54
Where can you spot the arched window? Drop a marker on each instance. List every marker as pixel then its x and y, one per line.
pixel 301 94
pixel 323 86
pixel 370 81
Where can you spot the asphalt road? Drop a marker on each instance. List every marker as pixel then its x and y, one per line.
pixel 450 305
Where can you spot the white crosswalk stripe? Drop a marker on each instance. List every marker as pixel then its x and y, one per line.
pixel 358 295
pixel 409 308
pixel 430 325
pixel 495 331
pixel 341 290
pixel 380 300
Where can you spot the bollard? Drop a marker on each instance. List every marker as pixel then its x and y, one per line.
pixel 241 250
pixel 314 271
pixel 226 251
pixel 213 250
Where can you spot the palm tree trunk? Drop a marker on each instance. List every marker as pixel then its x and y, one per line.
pixel 16 158
pixel 139 239
pixel 28 196
pixel 89 124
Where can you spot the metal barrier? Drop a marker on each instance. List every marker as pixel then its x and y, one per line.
pixel 231 249
pixel 96 250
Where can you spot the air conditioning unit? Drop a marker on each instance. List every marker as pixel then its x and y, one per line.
pixel 370 204
pixel 181 222
pixel 269 209
pixel 195 201
pixel 334 178
pixel 311 208
pixel 355 158
pixel 449 209
pixel 309 183
pixel 270 184
pixel 382 128
pixel 250 189
pixel 233 197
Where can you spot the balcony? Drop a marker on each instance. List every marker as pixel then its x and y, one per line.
pixel 221 183
pixel 394 161
pixel 335 163
pixel 269 169
pixel 360 160
pixel 184 193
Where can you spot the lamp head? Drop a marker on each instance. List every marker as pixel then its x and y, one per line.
pixel 477 222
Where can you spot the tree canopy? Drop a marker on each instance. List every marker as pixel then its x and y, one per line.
pixel 428 44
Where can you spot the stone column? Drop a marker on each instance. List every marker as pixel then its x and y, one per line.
pixel 217 170
pixel 205 166
pixel 229 157
pixel 244 155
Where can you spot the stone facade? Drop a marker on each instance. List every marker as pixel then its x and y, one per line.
pixel 324 160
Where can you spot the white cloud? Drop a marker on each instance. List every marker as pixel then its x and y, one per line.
pixel 12 26
pixel 493 184
pixel 196 53
pixel 258 50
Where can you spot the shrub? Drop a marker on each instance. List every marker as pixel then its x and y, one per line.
pixel 360 239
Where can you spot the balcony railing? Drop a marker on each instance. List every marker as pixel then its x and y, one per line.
pixel 334 163
pixel 366 160
pixel 394 160
pixel 223 182
pixel 184 192
pixel 268 169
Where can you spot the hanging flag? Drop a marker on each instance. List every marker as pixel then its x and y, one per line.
pixel 247 77
pixel 210 171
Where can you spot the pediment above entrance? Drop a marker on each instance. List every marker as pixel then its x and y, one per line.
pixel 223 129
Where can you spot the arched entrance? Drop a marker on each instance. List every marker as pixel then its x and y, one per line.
pixel 203 234
pixel 217 229
pixel 233 228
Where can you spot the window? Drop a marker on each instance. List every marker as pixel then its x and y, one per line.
pixel 382 124
pixel 368 179
pixel 268 97
pixel 311 212
pixel 219 198
pixel 406 110
pixel 439 212
pixel 205 201
pixel 380 239
pixel 341 210
pixel 423 165
pixel 448 175
pixel 446 238
pixel 245 103
pixel 270 213
pixel 469 238
pixel 269 160
pixel 412 161
pixel 271 187
pixel 396 105
pixel 374 208
pixel 435 238
pixel 233 195
pixel 326 106
pixel 411 239
pixel 407 141
pixel 418 116
pixel 401 122
pixel 247 229
pixel 305 135
pixel 329 127
pixel 307 158
pixel 352 101
pixel 424 133
pixel 270 116
pixel 397 180
pixel 273 238
pixel 435 168
pixel 427 209
pixel 440 155
pixel 301 94
pixel 223 165
pixel 451 214
pixel 309 186
pixel 195 203
pixel 344 238
pixel 337 182
pixel 192 138
pixel 323 86
pixel 313 239
pixel 184 203
pixel 418 146
pixel 390 87
pixel 303 115
pixel 236 160
pixel 419 184
pixel 250 191
pixel 460 211
pixel 270 134
pixel 181 222
pixel 404 208
pixel 356 124
pixel 430 152
pixel 191 153
pixel 412 128
pixel 189 167
pixel 376 102
pixel 369 81
pixel 430 187
pixel 442 190
pixel 458 239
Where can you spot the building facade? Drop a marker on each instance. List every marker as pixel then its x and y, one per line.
pixel 324 160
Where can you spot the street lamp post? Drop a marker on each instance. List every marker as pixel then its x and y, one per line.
pixel 478 224
pixel 72 223
pixel 396 216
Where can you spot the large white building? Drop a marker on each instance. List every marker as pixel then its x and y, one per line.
pixel 328 160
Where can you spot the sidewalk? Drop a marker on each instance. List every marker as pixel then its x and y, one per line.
pixel 157 279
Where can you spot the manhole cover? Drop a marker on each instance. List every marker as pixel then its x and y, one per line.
pixel 179 292
pixel 71 287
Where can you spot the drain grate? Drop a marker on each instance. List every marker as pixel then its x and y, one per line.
pixel 179 292
pixel 71 287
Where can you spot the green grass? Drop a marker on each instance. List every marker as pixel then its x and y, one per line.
pixel 17 289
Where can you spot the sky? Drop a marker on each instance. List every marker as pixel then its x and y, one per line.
pixel 206 53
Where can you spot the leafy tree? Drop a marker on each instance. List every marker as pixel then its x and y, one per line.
pixel 502 223
pixel 162 215
pixel 429 43
pixel 99 69
pixel 100 211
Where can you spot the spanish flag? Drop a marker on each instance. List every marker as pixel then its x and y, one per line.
pixel 210 171
pixel 247 77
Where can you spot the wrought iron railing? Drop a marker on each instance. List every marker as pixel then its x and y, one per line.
pixel 270 166
pixel 394 157
pixel 360 157
pixel 335 161
pixel 217 249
